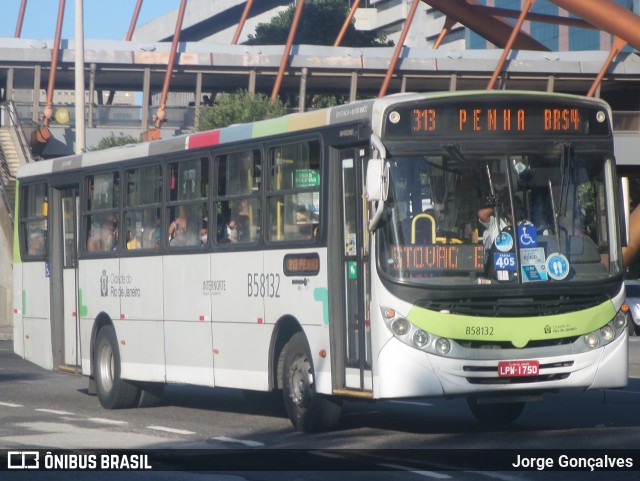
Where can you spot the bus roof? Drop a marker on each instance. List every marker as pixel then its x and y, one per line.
pixel 370 110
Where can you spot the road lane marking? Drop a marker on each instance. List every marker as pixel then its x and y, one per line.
pixel 107 421
pixel 426 474
pixel 252 444
pixel 11 405
pixel 53 411
pixel 170 430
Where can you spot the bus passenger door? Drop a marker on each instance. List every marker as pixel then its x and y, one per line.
pixel 63 270
pixel 356 331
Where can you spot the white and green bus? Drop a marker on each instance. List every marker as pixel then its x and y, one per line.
pixel 443 244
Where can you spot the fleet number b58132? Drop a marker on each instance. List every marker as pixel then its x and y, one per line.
pixel 263 285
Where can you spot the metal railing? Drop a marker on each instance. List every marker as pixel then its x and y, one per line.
pixel 184 118
pixel 114 116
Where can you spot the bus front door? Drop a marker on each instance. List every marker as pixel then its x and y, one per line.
pixel 63 267
pixel 356 331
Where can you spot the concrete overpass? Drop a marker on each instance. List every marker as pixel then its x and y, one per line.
pixel 205 68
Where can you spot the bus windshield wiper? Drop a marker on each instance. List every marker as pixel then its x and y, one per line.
pixel 565 176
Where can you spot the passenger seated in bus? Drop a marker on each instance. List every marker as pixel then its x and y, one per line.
pixel 132 240
pixel 154 236
pixel 178 230
pixel 36 243
pixel 105 237
pixel 244 222
pixel 232 231
pixel 204 236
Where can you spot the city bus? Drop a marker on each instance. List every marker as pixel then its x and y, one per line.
pixel 418 245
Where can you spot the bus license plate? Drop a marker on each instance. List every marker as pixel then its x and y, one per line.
pixel 518 368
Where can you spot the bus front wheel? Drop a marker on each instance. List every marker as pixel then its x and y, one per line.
pixel 495 413
pixel 307 410
pixel 113 392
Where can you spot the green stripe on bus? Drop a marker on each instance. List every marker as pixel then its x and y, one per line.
pixel 517 330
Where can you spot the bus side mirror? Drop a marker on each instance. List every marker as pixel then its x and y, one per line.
pixel 377 188
pixel 377 180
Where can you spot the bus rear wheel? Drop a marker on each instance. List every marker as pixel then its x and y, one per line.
pixel 307 410
pixel 113 392
pixel 495 413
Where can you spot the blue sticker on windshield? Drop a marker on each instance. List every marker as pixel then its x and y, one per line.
pixel 527 236
pixel 557 266
pixel 504 242
pixel 504 262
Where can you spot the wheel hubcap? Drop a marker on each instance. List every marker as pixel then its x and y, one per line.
pixel 301 381
pixel 106 367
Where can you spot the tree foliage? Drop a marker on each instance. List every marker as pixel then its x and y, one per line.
pixel 239 107
pixel 320 24
pixel 114 141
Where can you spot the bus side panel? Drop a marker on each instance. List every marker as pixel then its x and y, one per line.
pixel 97 293
pixel 187 319
pixel 241 337
pixel 18 328
pixel 305 297
pixel 36 300
pixel 139 287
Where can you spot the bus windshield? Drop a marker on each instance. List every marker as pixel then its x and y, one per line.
pixel 511 218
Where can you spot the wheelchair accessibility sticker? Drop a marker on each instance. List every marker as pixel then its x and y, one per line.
pixel 527 236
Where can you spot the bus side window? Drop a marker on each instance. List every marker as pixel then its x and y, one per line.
pixel 187 211
pixel 101 222
pixel 141 215
pixel 238 212
pixel 33 220
pixel 294 192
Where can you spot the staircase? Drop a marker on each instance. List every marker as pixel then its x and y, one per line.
pixel 14 150
pixel 9 162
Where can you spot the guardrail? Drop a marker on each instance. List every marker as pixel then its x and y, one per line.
pixel 184 118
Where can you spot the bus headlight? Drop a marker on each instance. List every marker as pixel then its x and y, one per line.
pixel 420 338
pixel 621 318
pixel 591 340
pixel 443 345
pixel 607 333
pixel 400 326
pixel 411 335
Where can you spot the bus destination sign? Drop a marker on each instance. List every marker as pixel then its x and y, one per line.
pixel 506 118
pixel 437 257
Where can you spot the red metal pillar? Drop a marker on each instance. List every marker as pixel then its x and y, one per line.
pixel 618 44
pixel 448 25
pixel 161 115
pixel 396 53
pixel 346 23
pixel 287 50
pixel 245 14
pixel 608 16
pixel 507 49
pixel 23 7
pixel 48 109
pixel 134 21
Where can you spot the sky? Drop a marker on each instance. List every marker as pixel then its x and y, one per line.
pixel 103 19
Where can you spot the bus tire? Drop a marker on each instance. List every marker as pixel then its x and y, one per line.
pixel 307 410
pixel 113 392
pixel 495 413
